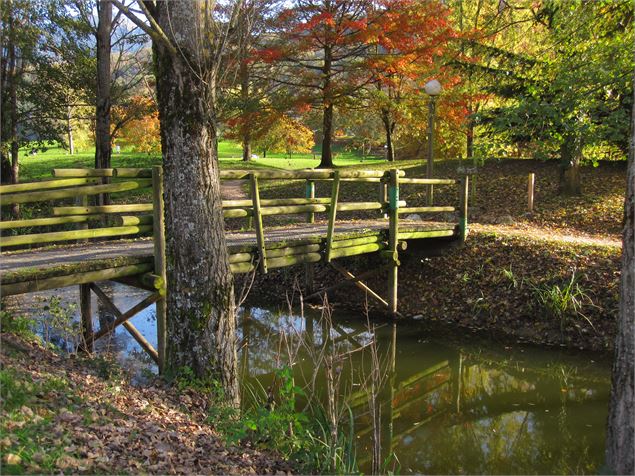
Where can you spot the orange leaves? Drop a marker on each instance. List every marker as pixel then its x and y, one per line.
pixel 140 128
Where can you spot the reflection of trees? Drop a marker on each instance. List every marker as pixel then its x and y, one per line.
pixel 447 410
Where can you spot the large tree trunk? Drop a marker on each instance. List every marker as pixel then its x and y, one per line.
pixel 103 146
pixel 327 120
pixel 200 295
pixel 13 114
pixel 389 128
pixel 620 441
pixel 570 157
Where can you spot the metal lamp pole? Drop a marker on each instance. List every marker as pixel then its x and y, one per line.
pixel 432 89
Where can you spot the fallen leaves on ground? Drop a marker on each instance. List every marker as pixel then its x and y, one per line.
pixel 92 425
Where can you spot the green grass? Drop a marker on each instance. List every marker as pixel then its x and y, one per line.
pixel 38 167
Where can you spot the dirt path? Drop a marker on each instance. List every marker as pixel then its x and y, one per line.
pixel 546 234
pixel 233 190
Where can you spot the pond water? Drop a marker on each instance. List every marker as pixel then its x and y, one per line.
pixel 447 405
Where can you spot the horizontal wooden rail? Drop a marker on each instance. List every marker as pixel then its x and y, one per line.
pixel 127 208
pixel 76 278
pixel 125 172
pixel 425 210
pixel 275 202
pixel 131 220
pixel 312 174
pixel 44 184
pixel 8 225
pixel 29 197
pixel 37 238
pixel 425 181
pixel 297 209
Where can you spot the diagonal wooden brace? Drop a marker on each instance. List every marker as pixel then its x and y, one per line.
pixel 122 318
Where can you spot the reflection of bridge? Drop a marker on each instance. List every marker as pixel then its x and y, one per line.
pixel 425 391
pixel 141 263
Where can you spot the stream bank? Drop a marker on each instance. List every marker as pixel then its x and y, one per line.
pixel 510 284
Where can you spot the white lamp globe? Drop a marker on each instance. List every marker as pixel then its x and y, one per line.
pixel 432 87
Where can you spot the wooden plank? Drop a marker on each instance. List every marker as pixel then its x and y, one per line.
pixel 131 220
pixel 32 222
pixel 405 210
pixel 160 263
pixel 292 209
pixel 270 202
pixel 427 181
pixel 314 174
pixel 44 185
pixel 284 261
pixel 260 236
pixel 70 280
pixel 29 197
pixel 357 250
pixel 123 208
pixel 126 172
pixel 55 236
pixel 356 241
pixel 417 235
pixel 330 231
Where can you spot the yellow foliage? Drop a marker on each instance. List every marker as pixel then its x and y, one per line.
pixel 143 134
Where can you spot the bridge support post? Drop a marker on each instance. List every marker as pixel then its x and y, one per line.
pixel 159 262
pixel 393 238
pixel 86 313
pixel 309 268
pixel 463 199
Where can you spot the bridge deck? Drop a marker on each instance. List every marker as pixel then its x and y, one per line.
pixel 49 267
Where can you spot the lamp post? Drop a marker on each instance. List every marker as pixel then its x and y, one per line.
pixel 432 89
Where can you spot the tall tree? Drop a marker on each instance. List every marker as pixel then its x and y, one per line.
pixel 325 44
pixel 103 145
pixel 620 442
pixel 572 88
pixel 188 42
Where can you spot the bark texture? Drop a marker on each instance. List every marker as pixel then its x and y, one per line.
pixel 570 156
pixel 389 129
pixel 103 149
pixel 620 445
pixel 200 294
pixel 327 104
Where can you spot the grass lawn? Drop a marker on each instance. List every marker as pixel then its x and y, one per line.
pixel 38 167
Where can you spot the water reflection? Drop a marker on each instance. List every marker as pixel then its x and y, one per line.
pixel 456 408
pixel 446 406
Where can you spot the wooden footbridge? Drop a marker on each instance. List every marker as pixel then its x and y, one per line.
pixel 66 241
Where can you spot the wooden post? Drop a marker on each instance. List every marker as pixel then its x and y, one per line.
pixel 330 232
pixel 463 199
pixel 260 236
pixel 86 313
pixel 310 193
pixel 309 268
pixel 393 237
pixel 383 195
pixel 82 201
pixel 531 182
pixel 159 261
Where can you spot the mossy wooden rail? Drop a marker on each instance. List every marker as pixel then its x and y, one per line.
pixel 53 250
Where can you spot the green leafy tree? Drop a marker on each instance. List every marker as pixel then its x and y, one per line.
pixel 574 89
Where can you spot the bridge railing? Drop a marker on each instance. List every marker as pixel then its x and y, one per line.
pixel 134 219
pixel 63 202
